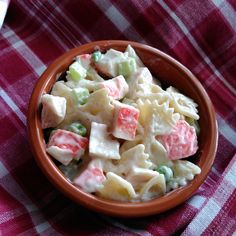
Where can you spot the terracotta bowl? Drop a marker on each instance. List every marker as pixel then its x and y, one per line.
pixel 168 71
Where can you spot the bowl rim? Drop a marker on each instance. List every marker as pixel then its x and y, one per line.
pixel 114 208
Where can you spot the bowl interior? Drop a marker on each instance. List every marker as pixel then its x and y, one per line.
pixel 169 72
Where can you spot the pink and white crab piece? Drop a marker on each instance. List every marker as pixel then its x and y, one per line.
pixel 84 60
pixel 65 146
pixel 90 179
pixel 125 121
pixel 181 142
pixel 53 111
pixel 117 87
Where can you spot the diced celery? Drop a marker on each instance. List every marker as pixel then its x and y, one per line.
pixel 77 128
pixel 77 71
pixel 96 56
pixel 131 53
pixel 126 67
pixel 81 95
pixel 193 123
pixel 166 171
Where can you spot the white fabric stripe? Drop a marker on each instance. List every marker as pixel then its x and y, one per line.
pixel 9 33
pixel 226 130
pixel 50 16
pixel 30 208
pixel 231 175
pixel 65 17
pixel 213 206
pixel 227 11
pixel 3 170
pixel 195 45
pixel 215 171
pixel 119 20
pixel 42 227
pixel 25 52
pixel 124 227
pixel 13 106
pixel 116 17
pixel 9 215
pixel 44 25
pixel 215 54
pixel 196 201
pixel 16 191
pixel 229 63
pixel 206 216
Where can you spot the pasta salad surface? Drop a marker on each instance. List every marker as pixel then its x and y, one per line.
pixel 117 134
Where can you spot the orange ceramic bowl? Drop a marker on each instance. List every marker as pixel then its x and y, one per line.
pixel 168 71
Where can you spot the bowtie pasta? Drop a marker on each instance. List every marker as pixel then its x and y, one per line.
pixel 117 134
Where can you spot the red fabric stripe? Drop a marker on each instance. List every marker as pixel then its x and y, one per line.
pixel 225 217
pixel 49 28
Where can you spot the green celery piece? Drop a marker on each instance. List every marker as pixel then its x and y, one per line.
pixel 193 123
pixel 77 71
pixel 96 56
pixel 81 95
pixel 166 171
pixel 126 67
pixel 77 128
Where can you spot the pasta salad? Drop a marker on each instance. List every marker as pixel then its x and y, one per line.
pixel 115 133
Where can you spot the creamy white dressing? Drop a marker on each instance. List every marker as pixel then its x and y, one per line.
pixel 121 159
pixel 101 143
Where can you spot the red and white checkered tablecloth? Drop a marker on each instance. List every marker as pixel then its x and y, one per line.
pixel 200 33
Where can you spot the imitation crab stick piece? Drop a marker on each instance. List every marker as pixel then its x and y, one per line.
pixel 53 111
pixel 90 179
pixel 181 142
pixel 125 121
pixel 84 60
pixel 101 144
pixel 65 146
pixel 117 87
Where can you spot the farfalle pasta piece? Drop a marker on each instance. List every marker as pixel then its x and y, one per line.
pixel 98 109
pixel 140 83
pixel 157 119
pixel 183 104
pixel 133 157
pixel 116 188
pixel 93 75
pixel 84 83
pixel 130 144
pixel 139 176
pixel 184 171
pixel 155 187
pixel 157 152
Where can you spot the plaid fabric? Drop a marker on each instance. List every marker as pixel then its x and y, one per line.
pixel 200 34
